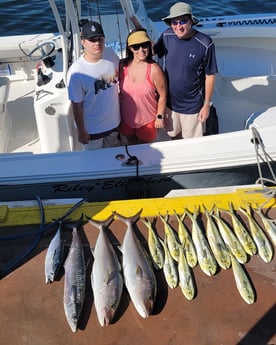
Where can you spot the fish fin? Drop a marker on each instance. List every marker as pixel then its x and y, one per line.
pixel 139 272
pixel 73 295
pixel 54 253
pixel 110 276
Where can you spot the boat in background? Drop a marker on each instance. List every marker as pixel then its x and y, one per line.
pixel 39 152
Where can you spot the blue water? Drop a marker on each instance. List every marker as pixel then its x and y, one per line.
pixel 35 16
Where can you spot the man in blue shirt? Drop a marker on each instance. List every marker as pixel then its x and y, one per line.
pixel 190 67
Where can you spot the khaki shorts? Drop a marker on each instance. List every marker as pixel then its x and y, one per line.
pixel 185 124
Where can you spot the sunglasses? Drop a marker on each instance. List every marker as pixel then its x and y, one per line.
pixel 181 22
pixel 142 45
pixel 95 39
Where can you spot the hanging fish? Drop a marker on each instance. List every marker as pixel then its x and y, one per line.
pixel 186 280
pixel 216 242
pixel 74 281
pixel 171 237
pixel 206 259
pixel 230 239
pixel 185 239
pixel 264 246
pixel 54 256
pixel 155 247
pixel 269 225
pixel 106 275
pixel 139 277
pixel 242 234
pixel 242 282
pixel 169 268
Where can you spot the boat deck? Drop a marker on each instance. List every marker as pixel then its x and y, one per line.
pixel 32 312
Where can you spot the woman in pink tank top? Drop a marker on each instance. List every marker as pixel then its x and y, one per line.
pixel 143 90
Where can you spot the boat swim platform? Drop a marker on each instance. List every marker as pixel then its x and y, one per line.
pixel 27 212
pixel 32 312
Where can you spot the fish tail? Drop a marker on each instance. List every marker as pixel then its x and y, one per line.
pixel 101 223
pixel 132 219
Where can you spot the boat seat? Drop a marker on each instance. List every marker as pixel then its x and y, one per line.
pixel 261 119
pixel 4 92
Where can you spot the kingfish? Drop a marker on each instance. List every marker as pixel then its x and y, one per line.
pixel 242 282
pixel 138 274
pixel 171 238
pixel 185 239
pixel 230 239
pixel 54 256
pixel 155 247
pixel 205 257
pixel 241 232
pixel 264 246
pixel 269 225
pixel 74 281
pixel 216 242
pixel 106 275
pixel 170 267
pixel 186 280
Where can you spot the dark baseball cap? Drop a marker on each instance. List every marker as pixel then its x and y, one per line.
pixel 92 29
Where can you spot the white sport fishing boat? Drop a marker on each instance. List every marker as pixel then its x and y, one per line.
pixel 39 153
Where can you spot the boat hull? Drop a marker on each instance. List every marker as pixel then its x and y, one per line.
pixel 121 188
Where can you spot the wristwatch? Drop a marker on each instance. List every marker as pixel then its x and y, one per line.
pixel 159 116
pixel 209 103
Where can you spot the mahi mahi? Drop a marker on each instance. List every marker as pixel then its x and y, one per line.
pixel 242 281
pixel 186 280
pixel 206 259
pixel 106 275
pixel 171 237
pixel 155 247
pixel 170 267
pixel 264 246
pixel 269 225
pixel 185 239
pixel 54 256
pixel 74 281
pixel 241 232
pixel 230 239
pixel 216 242
pixel 139 277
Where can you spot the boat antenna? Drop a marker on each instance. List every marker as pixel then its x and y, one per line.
pixel 119 28
pixel 99 12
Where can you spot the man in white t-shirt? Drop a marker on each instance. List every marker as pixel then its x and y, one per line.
pixel 93 90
